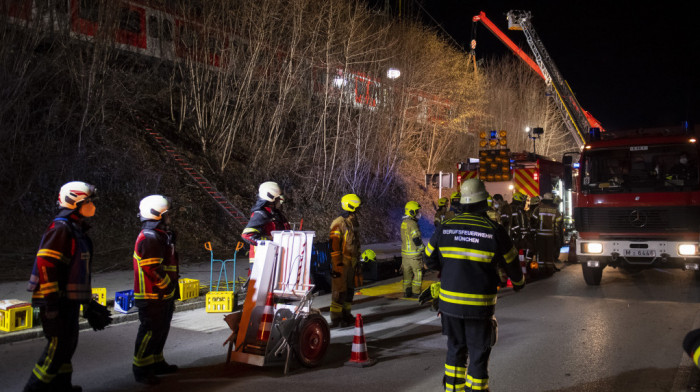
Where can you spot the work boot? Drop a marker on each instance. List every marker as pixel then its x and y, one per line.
pixel 348 318
pixel 408 293
pixel 336 320
pixel 164 368
pixel 145 375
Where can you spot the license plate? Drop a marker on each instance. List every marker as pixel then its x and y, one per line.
pixel 640 252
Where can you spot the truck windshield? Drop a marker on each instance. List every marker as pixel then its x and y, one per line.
pixel 657 168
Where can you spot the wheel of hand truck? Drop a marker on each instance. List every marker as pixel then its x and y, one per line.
pixel 312 339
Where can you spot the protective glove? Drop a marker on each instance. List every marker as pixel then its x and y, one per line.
pixel 429 294
pixel 98 316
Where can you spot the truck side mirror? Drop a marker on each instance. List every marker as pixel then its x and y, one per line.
pixel 568 176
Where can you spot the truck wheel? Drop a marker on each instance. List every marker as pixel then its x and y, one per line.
pixel 571 258
pixel 312 340
pixel 592 275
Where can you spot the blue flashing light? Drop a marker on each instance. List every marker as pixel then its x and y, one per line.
pixel 493 134
pixel 576 165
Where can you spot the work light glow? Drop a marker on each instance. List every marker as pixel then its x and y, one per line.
pixel 687 249
pixel 592 247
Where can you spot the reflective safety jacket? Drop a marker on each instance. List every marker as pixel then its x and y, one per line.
pixel 62 267
pixel 467 251
pixel 156 265
pixel 264 219
pixel 519 220
pixel 439 215
pixel 345 242
pixel 411 239
pixel 546 219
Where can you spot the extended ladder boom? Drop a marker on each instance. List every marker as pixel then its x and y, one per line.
pixel 575 117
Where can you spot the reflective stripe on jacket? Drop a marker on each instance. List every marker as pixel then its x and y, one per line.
pixel 411 239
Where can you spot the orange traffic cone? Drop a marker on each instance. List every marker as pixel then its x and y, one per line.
pixel 266 320
pixel 359 356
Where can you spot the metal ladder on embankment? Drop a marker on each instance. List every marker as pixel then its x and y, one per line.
pixel 238 217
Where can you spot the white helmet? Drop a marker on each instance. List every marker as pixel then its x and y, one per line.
pixel 548 196
pixel 73 193
pixel 269 191
pixel 153 207
pixel 473 191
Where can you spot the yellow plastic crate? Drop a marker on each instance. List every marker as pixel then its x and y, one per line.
pixel 189 288
pixel 219 301
pixel 99 294
pixel 15 315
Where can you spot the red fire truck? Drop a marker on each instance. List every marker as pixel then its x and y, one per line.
pixel 636 203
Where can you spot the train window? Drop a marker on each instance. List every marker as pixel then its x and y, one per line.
pixel 153 27
pixel 46 6
pixel 130 20
pixel 166 33
pixel 89 10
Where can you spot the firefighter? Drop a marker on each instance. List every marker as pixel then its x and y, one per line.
pixel 266 216
pixel 546 221
pixel 60 282
pixel 440 212
pixel 345 252
pixel 454 206
pixel 492 212
pixel 156 273
pixel 467 251
pixel 519 222
pixel 411 250
pixel 503 209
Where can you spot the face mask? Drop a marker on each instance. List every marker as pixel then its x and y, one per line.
pixel 496 205
pixel 418 215
pixel 87 210
pixel 684 160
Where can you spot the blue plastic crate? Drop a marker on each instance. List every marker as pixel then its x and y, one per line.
pixel 124 301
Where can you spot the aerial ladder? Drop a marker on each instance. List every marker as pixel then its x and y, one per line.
pixel 577 120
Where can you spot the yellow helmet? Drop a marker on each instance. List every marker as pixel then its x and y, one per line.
pixel 442 202
pixel 368 256
pixel 350 202
pixel 535 200
pixel 519 196
pixel 412 208
pixel 456 197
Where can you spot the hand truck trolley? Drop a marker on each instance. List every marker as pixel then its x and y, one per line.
pixel 277 318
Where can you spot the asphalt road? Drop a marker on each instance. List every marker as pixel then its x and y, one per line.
pixel 556 335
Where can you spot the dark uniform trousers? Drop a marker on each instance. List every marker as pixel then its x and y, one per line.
pixel 155 317
pixel 54 366
pixel 546 248
pixel 467 338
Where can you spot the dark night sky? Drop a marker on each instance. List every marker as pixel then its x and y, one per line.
pixel 631 64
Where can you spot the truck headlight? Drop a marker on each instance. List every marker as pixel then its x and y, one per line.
pixel 592 247
pixel 687 249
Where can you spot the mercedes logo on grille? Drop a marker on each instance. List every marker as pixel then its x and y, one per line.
pixel 638 219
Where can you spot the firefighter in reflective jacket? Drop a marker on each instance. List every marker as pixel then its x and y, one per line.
pixel 345 254
pixel 156 271
pixel 440 212
pixel 519 221
pixel 467 251
pixel 454 206
pixel 265 216
pixel 546 220
pixel 411 250
pixel 60 282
